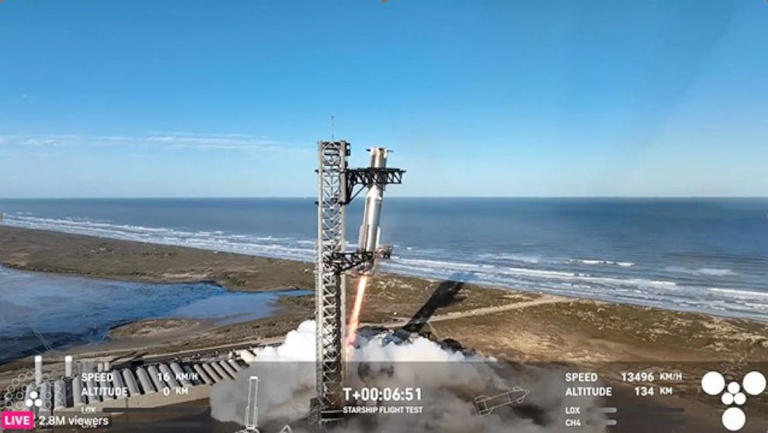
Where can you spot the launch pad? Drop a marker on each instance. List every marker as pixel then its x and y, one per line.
pixel 336 189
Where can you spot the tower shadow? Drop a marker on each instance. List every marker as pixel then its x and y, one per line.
pixel 443 296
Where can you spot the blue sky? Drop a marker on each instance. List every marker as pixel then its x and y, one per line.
pixel 144 98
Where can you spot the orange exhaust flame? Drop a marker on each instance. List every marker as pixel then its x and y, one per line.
pixel 354 319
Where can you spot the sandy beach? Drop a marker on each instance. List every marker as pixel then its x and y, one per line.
pixel 507 324
pixel 514 324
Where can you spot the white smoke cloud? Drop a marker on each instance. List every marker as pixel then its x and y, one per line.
pixel 299 345
pixel 286 381
pixel 420 349
pixel 449 381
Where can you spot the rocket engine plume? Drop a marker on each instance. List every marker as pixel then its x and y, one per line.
pixel 354 318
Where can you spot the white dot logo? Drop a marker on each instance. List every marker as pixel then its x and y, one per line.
pixel 754 383
pixel 734 387
pixel 713 383
pixel 33 400
pixel 734 418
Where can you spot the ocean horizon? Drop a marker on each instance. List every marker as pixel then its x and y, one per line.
pixel 707 255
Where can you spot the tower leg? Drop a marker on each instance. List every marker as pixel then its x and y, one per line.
pixel 330 284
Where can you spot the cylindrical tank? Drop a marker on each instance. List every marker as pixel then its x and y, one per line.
pixel 130 382
pixel 106 389
pixel 46 395
pixel 77 392
pixel 168 376
pixel 93 390
pixel 212 372
pixel 118 385
pixel 59 394
pixel 38 370
pixel 154 376
pixel 179 374
pixel 146 383
pixel 220 371
pixel 28 400
pixel 192 375
pixel 246 355
pixel 234 365
pixel 201 373
pixel 68 366
pixel 228 368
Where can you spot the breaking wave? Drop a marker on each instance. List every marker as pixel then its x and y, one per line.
pixel 679 288
pixel 741 293
pixel 701 271
pixel 602 262
pixel 269 246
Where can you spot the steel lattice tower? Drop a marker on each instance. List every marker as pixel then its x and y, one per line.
pixel 330 286
pixel 335 190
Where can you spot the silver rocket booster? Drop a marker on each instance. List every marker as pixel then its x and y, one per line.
pixel 370 233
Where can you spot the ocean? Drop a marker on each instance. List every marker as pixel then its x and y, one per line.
pixel 704 255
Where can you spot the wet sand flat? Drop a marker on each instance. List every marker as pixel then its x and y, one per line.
pixel 545 327
pixel 507 324
pixel 504 323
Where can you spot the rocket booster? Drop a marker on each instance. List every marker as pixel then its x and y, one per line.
pixel 370 233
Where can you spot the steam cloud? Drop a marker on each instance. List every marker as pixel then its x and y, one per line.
pixel 449 380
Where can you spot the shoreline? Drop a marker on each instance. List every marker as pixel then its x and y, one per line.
pixel 38 250
pixel 456 309
pixel 231 271
pixel 515 326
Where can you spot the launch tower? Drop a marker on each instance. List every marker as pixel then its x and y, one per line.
pixel 336 189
